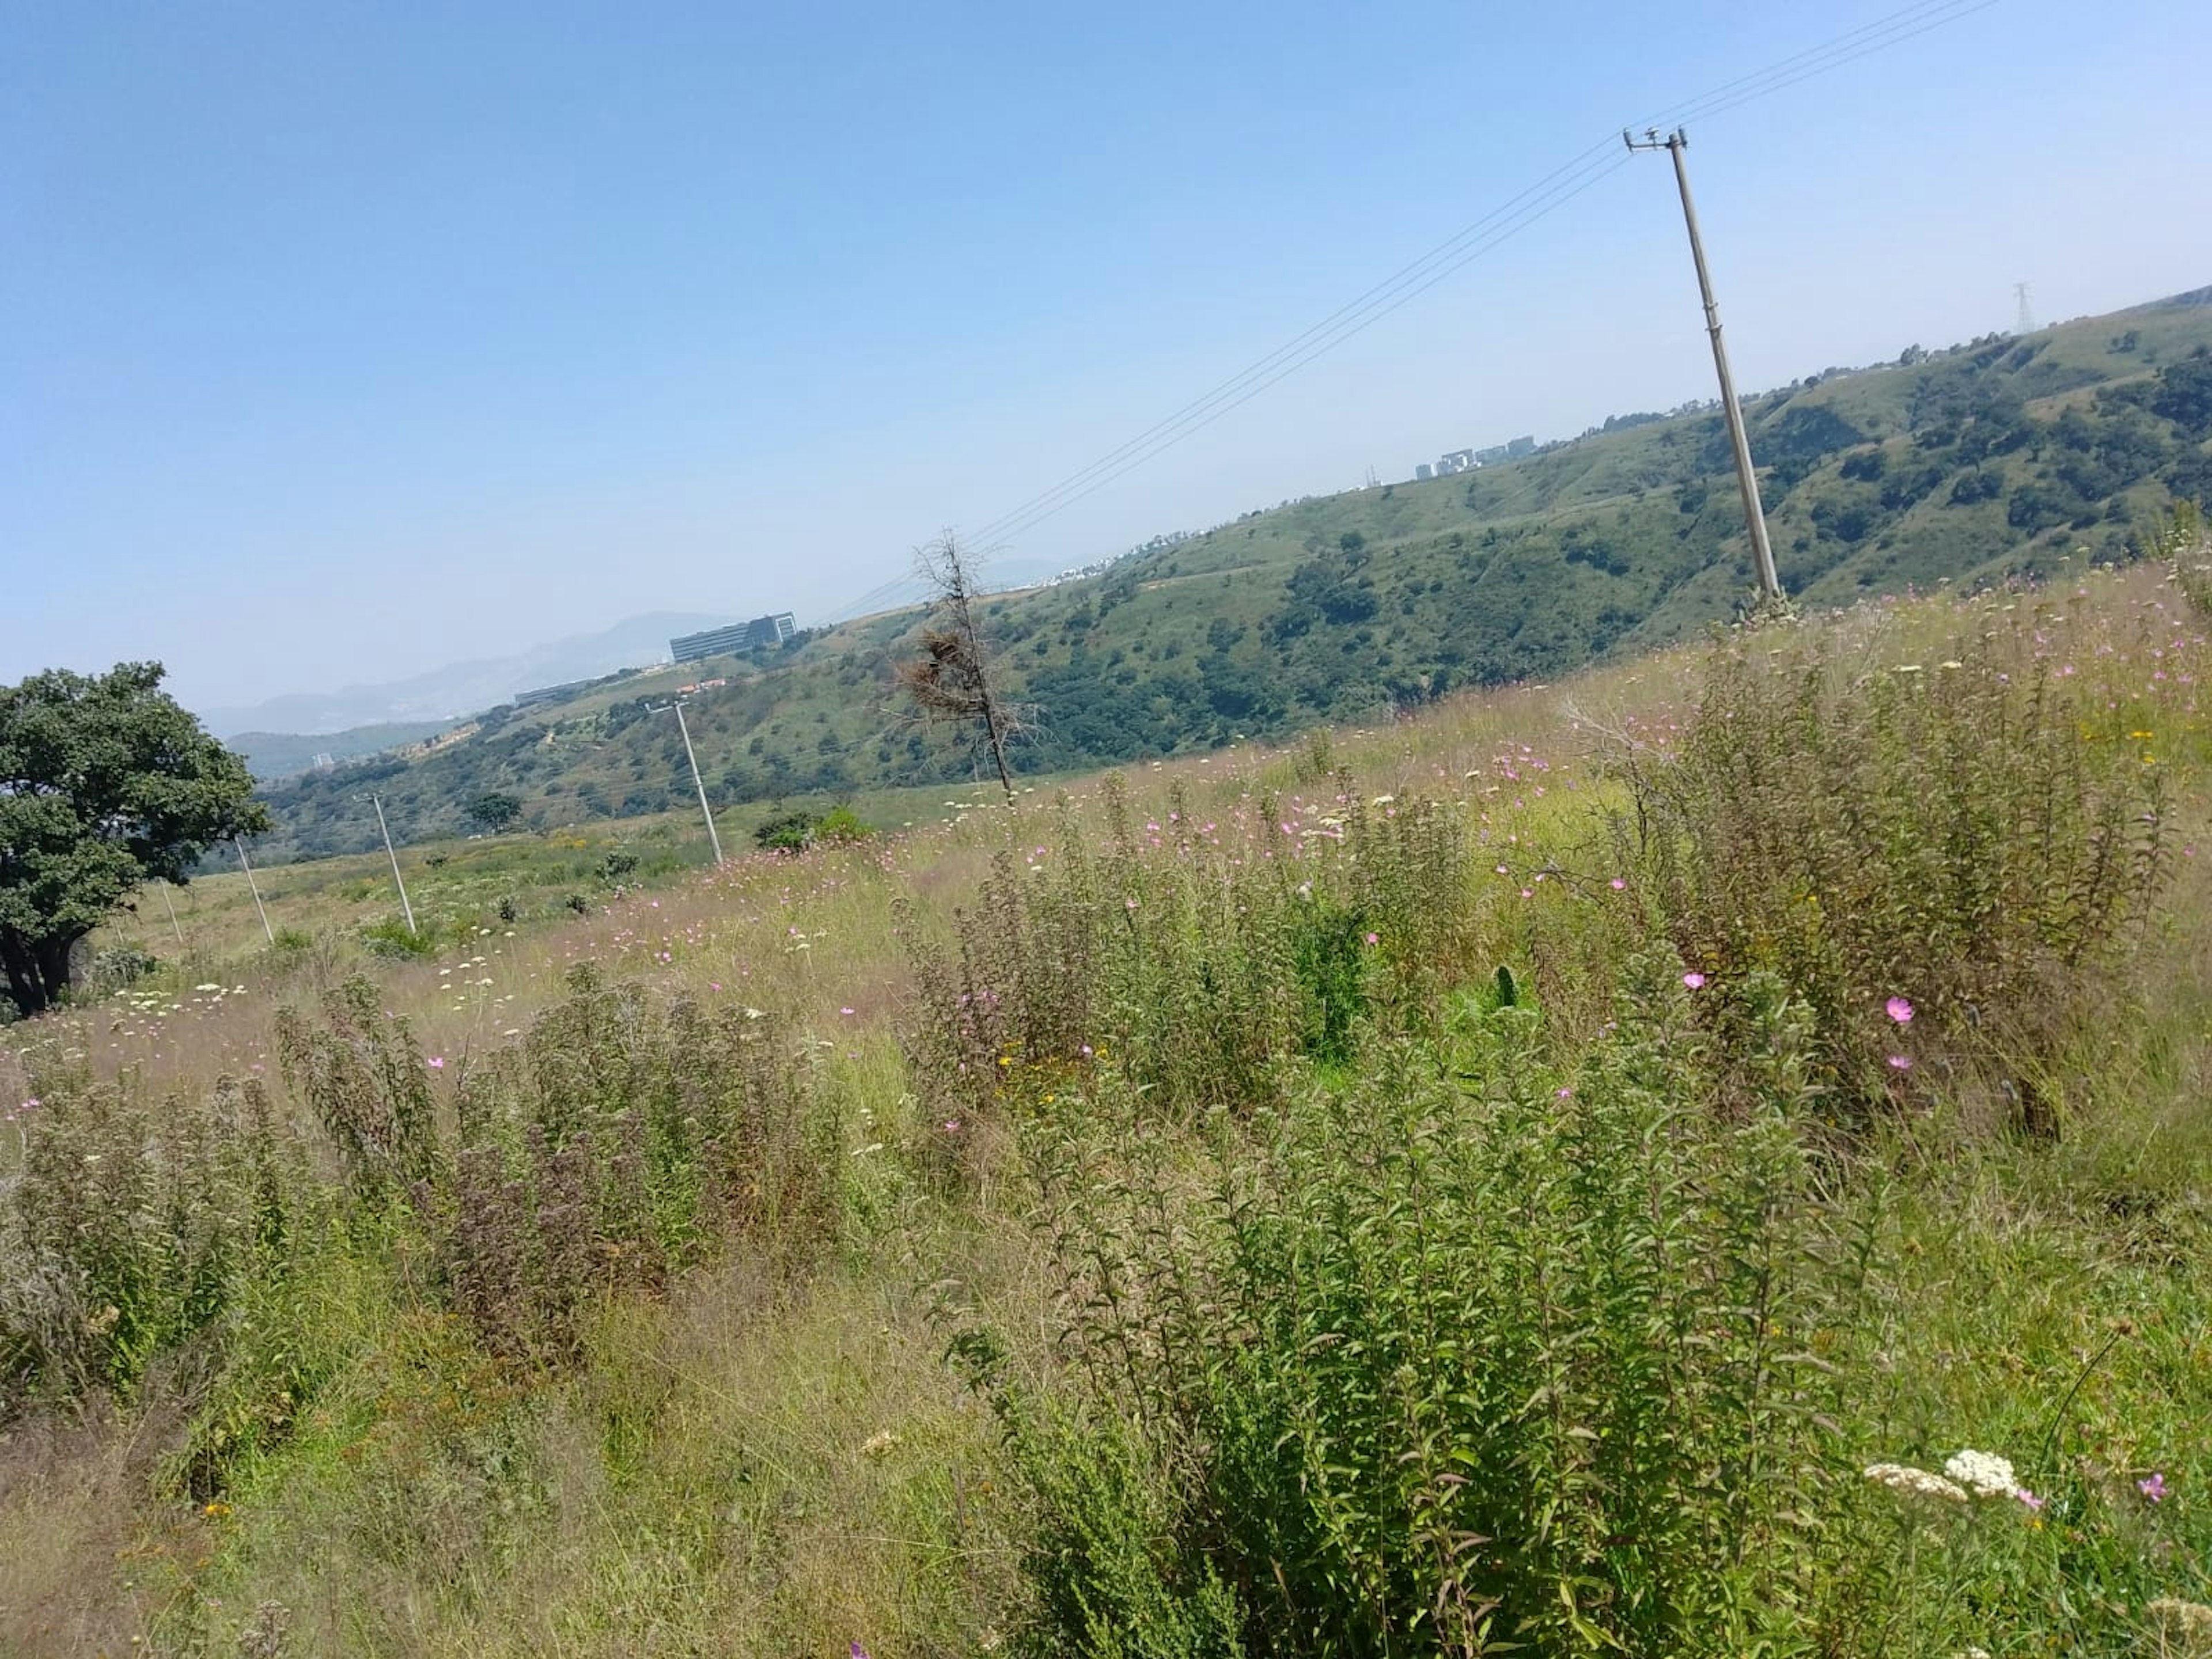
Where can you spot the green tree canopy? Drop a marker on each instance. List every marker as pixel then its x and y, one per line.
pixel 495 810
pixel 104 783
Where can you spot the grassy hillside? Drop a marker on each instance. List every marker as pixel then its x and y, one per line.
pixel 2003 458
pixel 1709 1157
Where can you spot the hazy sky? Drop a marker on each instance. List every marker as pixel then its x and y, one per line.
pixel 341 341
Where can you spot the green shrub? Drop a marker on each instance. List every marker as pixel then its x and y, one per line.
pixel 1971 833
pixel 130 1228
pixel 118 967
pixel 841 826
pixel 363 1074
pixel 1197 954
pixel 393 940
pixel 1474 1353
pixel 625 1138
pixel 2183 543
pixel 786 832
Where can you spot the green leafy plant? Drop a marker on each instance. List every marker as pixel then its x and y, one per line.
pixel 1471 1354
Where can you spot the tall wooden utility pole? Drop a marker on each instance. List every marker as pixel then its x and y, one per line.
pixel 1754 516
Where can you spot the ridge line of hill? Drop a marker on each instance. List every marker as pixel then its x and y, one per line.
pixel 2002 458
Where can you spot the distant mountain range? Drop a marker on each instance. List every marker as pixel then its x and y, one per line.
pixel 449 694
pixel 272 756
pixel 283 735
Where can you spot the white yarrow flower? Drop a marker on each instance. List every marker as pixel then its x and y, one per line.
pixel 1983 1473
pixel 1902 1479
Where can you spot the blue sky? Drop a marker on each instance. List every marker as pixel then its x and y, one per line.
pixel 343 341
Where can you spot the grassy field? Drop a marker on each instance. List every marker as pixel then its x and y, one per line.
pixel 1499 1176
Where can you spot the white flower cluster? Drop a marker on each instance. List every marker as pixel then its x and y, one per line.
pixel 1916 1483
pixel 1983 1473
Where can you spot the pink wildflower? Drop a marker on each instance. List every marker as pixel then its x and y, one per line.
pixel 2028 1499
pixel 1618 884
pixel 1900 1062
pixel 1695 981
pixel 437 1062
pixel 2153 1489
pixel 1899 1010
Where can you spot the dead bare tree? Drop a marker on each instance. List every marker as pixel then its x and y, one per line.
pixel 950 681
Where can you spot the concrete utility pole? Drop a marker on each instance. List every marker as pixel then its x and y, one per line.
pixel 175 926
pixel 1754 516
pixel 713 837
pixel 254 887
pixel 406 908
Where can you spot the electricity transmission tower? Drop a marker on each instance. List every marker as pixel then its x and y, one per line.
pixel 1754 516
pixel 2026 316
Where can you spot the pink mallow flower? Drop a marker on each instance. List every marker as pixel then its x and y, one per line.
pixel 1695 981
pixel 1899 1010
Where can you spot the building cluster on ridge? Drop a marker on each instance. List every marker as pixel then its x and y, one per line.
pixel 1465 460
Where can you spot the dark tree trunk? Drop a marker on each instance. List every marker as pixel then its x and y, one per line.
pixel 38 970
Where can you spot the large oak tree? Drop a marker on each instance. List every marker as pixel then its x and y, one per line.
pixel 106 783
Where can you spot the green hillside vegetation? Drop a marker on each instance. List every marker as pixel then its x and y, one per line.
pixel 273 756
pixel 1994 460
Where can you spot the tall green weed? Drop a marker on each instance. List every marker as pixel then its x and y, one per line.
pixel 1965 844
pixel 1473 1353
pixel 1195 953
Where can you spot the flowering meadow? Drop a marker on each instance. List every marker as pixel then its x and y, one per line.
pixel 1709 1157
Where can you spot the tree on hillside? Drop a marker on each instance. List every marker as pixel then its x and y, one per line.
pixel 949 680
pixel 493 811
pixel 106 783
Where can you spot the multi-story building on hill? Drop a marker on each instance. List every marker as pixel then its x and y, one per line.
pixel 738 636
pixel 1467 460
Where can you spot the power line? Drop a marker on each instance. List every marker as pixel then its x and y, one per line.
pixel 1200 418
pixel 1557 187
